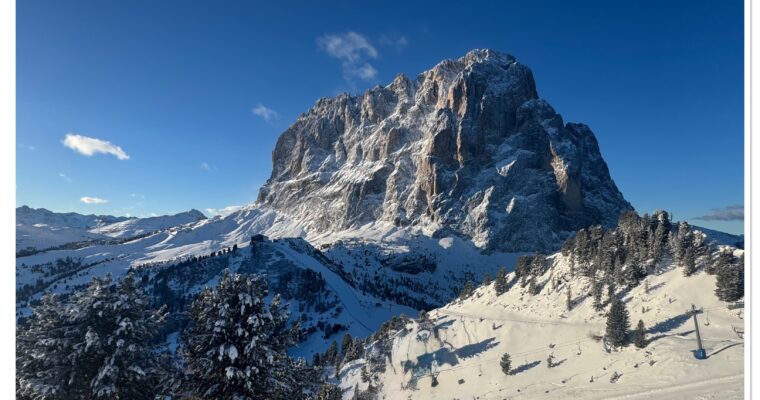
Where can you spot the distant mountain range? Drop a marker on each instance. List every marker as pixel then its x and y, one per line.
pixel 41 228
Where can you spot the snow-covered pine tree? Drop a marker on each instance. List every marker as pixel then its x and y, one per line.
pixel 533 287
pixel 329 391
pixel 346 343
pixel 611 291
pixel 634 274
pixel 95 344
pixel 569 299
pixel 639 335
pixel 597 290
pixel 501 284
pixel 506 363
pixel 235 345
pixel 522 269
pixel 721 260
pixel 729 285
pixel 331 354
pixel 617 323
pixel 688 263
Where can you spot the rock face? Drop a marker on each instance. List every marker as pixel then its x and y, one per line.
pixel 467 148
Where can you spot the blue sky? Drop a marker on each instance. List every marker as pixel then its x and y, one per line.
pixel 195 93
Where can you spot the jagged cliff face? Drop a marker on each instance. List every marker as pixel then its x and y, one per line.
pixel 467 148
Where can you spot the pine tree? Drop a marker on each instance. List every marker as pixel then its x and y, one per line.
pixel 331 354
pixel 569 299
pixel 467 290
pixel 346 343
pixel 533 287
pixel 597 292
pixel 365 374
pixel 235 345
pixel 639 336
pixel 688 263
pixel 723 259
pixel 97 343
pixel 610 291
pixel 633 274
pixel 329 391
pixel 506 364
pixel 729 285
pixel 486 279
pixel 501 283
pixel 617 324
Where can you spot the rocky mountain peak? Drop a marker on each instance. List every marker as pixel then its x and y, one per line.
pixel 466 148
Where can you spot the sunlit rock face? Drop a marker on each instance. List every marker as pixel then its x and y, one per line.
pixel 466 148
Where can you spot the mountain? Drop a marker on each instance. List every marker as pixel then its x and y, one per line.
pixel 394 199
pixel 39 229
pixel 548 317
pixel 139 226
pixel 467 148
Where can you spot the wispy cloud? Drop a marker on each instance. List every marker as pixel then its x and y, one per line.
pixel 27 147
pixel 354 51
pixel 223 211
pixel 730 213
pixel 90 146
pixel 395 41
pixel 64 177
pixel 266 113
pixel 205 166
pixel 93 200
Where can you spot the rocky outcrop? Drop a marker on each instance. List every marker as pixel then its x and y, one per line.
pixel 466 148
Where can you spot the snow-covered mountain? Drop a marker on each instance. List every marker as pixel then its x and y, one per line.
pixel 467 148
pixel 139 226
pixel 552 320
pixel 39 229
pixel 387 204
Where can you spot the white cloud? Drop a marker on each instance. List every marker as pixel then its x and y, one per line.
pixel 64 177
pixel 223 211
pixel 93 200
pixel 205 166
pixel 353 50
pixel 265 112
pixel 90 146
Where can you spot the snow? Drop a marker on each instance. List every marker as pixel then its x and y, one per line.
pixel 474 333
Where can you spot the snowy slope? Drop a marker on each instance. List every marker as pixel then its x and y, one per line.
pixel 42 229
pixel 466 340
pixel 65 270
pixel 139 226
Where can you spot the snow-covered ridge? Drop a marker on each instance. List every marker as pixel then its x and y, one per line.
pixel 40 228
pixel 138 226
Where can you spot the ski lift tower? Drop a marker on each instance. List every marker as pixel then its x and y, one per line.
pixel 699 353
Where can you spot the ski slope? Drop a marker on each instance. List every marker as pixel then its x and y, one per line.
pixel 465 341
